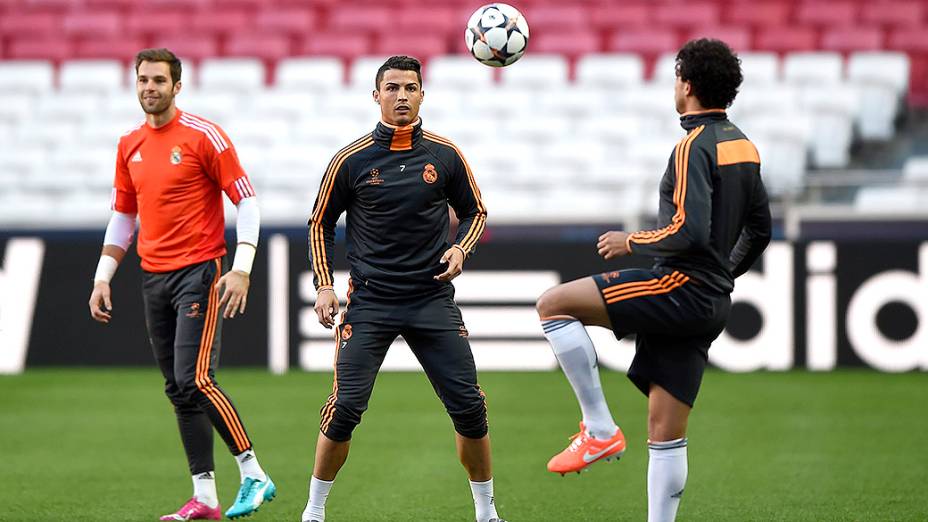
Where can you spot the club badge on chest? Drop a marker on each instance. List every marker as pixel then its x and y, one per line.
pixel 176 156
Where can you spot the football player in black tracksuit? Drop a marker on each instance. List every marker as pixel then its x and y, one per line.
pixel 714 223
pixel 396 184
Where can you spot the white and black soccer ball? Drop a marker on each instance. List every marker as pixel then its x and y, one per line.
pixel 497 35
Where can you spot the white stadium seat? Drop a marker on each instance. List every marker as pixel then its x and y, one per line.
pixel 916 169
pixel 231 75
pixel 759 68
pixel 890 68
pixel 363 72
pixel 888 200
pixel 17 107
pixel 665 70
pixel 882 78
pixel 536 72
pixel 458 73
pixel 293 105
pixel 813 68
pixel 833 108
pixel 29 76
pixel 500 102
pixel 609 71
pixel 309 75
pixel 101 76
pixel 74 105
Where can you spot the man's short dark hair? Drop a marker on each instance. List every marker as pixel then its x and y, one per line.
pixel 402 63
pixel 159 55
pixel 713 70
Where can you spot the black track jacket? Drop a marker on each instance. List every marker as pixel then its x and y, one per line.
pixel 714 217
pixel 395 184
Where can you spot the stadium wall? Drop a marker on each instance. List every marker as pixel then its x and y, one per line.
pixel 817 304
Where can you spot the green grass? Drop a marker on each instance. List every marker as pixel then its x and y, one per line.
pixel 103 445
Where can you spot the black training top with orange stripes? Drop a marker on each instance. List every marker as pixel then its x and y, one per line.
pixel 714 217
pixel 395 185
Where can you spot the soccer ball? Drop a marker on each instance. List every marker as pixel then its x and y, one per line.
pixel 496 35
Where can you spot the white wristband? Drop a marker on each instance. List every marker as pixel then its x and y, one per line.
pixel 244 257
pixel 106 268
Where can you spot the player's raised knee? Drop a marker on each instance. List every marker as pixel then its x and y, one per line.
pixel 549 303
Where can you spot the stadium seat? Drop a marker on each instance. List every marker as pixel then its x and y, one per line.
pixel 827 14
pixel 609 70
pixel 219 22
pixel 501 102
pixel 783 148
pixel 556 17
pixel 292 105
pixel 26 76
pixel 915 168
pixel 665 69
pixel 266 46
pixel 192 47
pixel 34 25
pixel 847 39
pixel 442 20
pixel 345 46
pixel 583 101
pixel 264 132
pixel 457 72
pixel 903 13
pixel 761 68
pixel 614 16
pixel 757 14
pixel 813 67
pixel 537 71
pixel 309 74
pixel 215 106
pixel 833 107
pixel 363 72
pixel 423 46
pixel 146 23
pixel 648 42
pixel 785 39
pixel 118 48
pixel 17 107
pixel 231 74
pixel 92 23
pixel 362 19
pixel 882 78
pixel 46 48
pixel 99 76
pixel 568 43
pixel 293 21
pixel 69 106
pixel 687 14
pixel 738 38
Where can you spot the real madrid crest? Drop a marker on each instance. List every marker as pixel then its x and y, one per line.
pixel 176 156
pixel 430 175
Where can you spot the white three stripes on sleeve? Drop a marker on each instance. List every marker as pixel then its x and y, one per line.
pixel 215 137
pixel 244 188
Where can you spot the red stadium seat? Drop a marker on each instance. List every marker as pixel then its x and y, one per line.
pixel 758 14
pixel 556 17
pixel 49 5
pixel 620 16
pixel 852 39
pixel 187 5
pixel 120 48
pixel 224 21
pixel 442 20
pixel 649 42
pixel 189 46
pixel 687 14
pixel 29 48
pixel 100 23
pixel 786 39
pixel 139 23
pixel 827 13
pixel 894 13
pixel 345 45
pixel 419 46
pixel 361 19
pixel 264 46
pixel 295 21
pixel 30 24
pixel 738 38
pixel 570 43
pixel 119 5
pixel 915 43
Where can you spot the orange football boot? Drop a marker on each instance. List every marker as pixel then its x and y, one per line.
pixel 585 450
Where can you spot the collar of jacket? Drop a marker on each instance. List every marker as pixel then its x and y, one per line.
pixel 398 138
pixel 691 120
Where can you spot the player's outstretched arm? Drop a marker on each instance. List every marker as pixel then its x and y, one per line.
pixel 119 232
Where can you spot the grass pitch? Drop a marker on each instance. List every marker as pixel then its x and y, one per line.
pixel 103 445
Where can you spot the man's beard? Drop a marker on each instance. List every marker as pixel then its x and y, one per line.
pixel 160 106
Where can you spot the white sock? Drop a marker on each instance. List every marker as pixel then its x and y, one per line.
pixel 666 479
pixel 248 466
pixel 204 489
pixel 484 503
pixel 577 357
pixel 315 506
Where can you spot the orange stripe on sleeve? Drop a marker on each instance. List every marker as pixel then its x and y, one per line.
pixel 736 151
